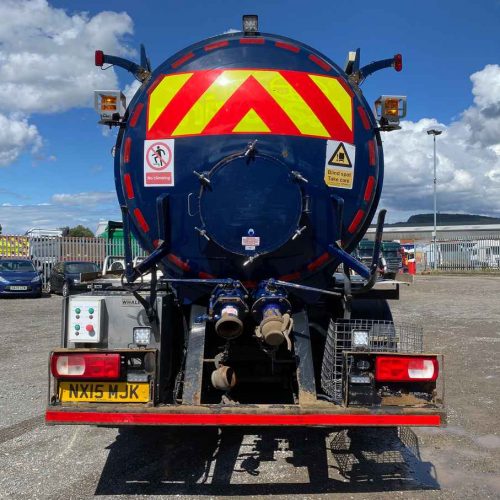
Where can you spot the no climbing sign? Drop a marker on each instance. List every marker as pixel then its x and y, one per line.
pixel 159 162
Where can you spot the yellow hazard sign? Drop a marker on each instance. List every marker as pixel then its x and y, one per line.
pixel 340 158
pixel 339 164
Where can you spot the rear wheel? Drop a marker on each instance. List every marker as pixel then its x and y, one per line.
pixel 49 287
pixel 65 290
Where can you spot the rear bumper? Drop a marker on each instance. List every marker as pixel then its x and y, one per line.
pixel 256 415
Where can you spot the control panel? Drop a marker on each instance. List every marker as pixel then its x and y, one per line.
pixel 84 320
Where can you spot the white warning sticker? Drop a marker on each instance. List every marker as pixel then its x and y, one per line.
pixel 339 164
pixel 159 162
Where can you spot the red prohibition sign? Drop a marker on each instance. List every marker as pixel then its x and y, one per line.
pixel 159 156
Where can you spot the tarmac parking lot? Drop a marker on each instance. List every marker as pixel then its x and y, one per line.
pixel 461 316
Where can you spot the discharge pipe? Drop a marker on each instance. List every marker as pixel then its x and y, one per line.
pixel 229 326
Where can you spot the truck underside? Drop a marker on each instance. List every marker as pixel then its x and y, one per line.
pixel 125 361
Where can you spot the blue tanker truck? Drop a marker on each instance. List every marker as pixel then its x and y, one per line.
pixel 248 166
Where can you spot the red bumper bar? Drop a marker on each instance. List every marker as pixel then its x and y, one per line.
pixel 122 418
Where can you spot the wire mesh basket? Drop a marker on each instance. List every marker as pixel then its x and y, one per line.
pixel 363 335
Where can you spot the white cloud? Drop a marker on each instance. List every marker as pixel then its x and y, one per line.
pixel 84 199
pixel 47 65
pixel 468 152
pixel 63 210
pixel 16 136
pixel 47 55
pixel 130 90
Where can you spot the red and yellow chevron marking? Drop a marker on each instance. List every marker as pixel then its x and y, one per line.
pixel 242 101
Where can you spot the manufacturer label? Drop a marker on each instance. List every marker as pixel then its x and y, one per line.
pixel 250 242
pixel 339 164
pixel 159 162
pixel 130 302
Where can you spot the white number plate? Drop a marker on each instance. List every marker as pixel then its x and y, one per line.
pixel 18 288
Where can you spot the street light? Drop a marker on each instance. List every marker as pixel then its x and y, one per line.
pixel 434 132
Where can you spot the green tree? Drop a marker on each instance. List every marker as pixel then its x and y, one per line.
pixel 80 232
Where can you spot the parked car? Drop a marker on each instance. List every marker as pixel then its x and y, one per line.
pixel 65 277
pixel 19 277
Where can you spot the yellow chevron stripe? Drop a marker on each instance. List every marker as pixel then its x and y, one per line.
pixel 337 95
pixel 207 106
pixel 164 92
pixel 291 102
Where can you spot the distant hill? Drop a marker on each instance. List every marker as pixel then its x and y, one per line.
pixel 447 220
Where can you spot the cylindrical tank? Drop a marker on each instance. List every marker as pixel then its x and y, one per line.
pixel 258 141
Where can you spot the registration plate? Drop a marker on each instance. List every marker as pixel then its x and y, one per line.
pixel 108 392
pixel 18 288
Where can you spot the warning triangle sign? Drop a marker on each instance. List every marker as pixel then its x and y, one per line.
pixel 340 158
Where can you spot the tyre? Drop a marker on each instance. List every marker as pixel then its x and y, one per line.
pixel 65 289
pixel 49 287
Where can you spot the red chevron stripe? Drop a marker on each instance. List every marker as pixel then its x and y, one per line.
pixel 264 105
pixel 182 103
pixel 321 106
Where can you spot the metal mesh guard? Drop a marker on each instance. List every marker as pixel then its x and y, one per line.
pixel 368 335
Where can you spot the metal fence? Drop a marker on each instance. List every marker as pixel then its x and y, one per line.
pixel 462 254
pixel 45 251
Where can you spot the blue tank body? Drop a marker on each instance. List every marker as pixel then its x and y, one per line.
pixel 258 143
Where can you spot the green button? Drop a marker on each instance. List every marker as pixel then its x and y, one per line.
pixel 77 310
pixel 77 327
pixel 91 310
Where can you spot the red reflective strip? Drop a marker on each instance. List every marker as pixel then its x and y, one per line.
pixel 205 276
pixel 255 41
pixel 126 149
pixel 129 188
pixel 369 188
pixel 141 220
pixel 356 221
pixel 135 115
pixel 322 64
pixel 287 46
pixel 364 118
pixel 318 262
pixel 124 418
pixel 371 153
pixel 178 262
pixel 290 277
pixel 182 60
pixel 216 45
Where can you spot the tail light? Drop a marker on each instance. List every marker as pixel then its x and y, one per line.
pixel 406 368
pixel 85 365
pixel 398 62
pixel 99 58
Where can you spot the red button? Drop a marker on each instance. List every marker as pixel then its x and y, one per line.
pixel 89 328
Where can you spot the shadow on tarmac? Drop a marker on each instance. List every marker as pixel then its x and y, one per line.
pixel 231 461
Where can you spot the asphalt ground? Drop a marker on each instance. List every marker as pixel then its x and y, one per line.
pixel 461 316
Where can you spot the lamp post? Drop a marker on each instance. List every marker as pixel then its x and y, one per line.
pixel 434 132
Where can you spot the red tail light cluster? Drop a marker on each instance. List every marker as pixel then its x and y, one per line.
pixel 85 365
pixel 398 62
pixel 406 368
pixel 99 58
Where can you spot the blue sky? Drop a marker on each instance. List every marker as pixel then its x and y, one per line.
pixel 55 162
